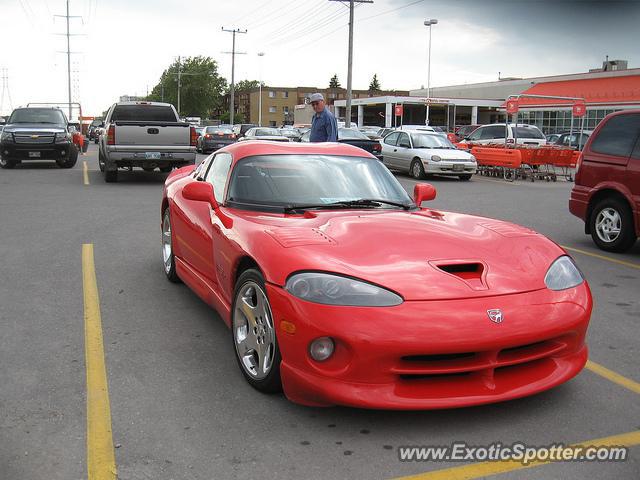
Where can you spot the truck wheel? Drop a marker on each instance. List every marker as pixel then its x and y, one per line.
pixel 7 163
pixel 100 160
pixel 612 226
pixel 166 169
pixel 111 176
pixel 71 160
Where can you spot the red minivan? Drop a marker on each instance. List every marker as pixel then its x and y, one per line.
pixel 606 194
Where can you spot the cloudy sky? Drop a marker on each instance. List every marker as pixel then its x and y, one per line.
pixel 123 46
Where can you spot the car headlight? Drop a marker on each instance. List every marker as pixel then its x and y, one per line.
pixel 563 274
pixel 331 289
pixel 6 137
pixel 63 137
pixel 436 158
pixel 472 159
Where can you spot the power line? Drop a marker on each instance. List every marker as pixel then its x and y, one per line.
pixel 392 10
pixel 305 28
pixel 253 13
pixel 296 22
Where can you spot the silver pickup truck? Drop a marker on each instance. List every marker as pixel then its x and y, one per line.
pixel 147 135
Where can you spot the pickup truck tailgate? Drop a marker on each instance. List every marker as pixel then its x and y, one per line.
pixel 141 135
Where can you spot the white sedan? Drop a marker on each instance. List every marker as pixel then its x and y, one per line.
pixel 424 153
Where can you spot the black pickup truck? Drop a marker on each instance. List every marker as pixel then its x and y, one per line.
pixel 37 133
pixel 354 137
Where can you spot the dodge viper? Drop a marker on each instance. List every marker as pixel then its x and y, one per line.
pixel 340 289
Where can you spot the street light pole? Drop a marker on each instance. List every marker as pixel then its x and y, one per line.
pixel 429 23
pixel 260 54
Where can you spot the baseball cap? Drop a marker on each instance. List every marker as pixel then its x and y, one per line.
pixel 316 97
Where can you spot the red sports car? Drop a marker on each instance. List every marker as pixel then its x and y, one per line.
pixel 341 290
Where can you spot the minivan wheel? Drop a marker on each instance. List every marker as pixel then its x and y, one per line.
pixel 611 225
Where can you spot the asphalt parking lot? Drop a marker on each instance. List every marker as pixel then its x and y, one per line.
pixel 180 408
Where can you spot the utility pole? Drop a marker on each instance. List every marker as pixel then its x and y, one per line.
pixel 233 68
pixel 347 117
pixel 5 88
pixel 179 82
pixel 260 54
pixel 430 24
pixel 67 17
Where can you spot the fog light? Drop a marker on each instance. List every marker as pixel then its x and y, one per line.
pixel 62 152
pixel 321 349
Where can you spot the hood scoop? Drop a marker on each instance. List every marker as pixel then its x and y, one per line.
pixel 298 236
pixel 472 273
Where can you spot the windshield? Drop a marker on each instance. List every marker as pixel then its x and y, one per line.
pixel 528 132
pixel 425 140
pixel 351 134
pixel 285 180
pixel 143 113
pixel 37 115
pixel 266 132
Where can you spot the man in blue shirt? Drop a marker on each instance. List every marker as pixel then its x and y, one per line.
pixel 324 127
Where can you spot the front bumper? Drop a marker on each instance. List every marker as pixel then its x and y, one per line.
pixel 432 354
pixel 450 168
pixel 49 151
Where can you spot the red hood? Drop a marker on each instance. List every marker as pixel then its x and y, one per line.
pixel 403 251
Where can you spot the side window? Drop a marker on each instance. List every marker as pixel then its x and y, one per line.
pixel 403 141
pixel 477 134
pixel 493 132
pixel 618 136
pixel 218 173
pixel 392 138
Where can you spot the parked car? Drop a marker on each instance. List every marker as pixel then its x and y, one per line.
pixel 371 132
pixel 240 129
pixel 37 133
pixel 575 140
pixel 383 132
pixel 213 138
pixel 495 133
pixel 264 133
pixel 552 137
pixel 422 153
pixel 199 131
pixel 339 288
pixel 354 137
pixel 293 134
pixel 145 135
pixel 606 194
pixel 465 131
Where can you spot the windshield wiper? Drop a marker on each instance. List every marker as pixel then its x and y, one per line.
pixel 361 202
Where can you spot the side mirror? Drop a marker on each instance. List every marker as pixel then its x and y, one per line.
pixel 423 192
pixel 200 192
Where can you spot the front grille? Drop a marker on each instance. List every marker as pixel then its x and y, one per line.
pixel 441 366
pixel 39 139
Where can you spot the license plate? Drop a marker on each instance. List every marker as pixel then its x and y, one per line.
pixel 34 154
pixel 152 155
pixel 458 168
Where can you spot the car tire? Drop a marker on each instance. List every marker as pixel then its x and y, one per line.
pixel 252 325
pixel 71 161
pixel 168 259
pixel 7 163
pixel 111 176
pixel 100 160
pixel 416 170
pixel 609 215
pixel 466 177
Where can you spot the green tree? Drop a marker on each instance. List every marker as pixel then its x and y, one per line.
pixel 225 117
pixel 374 86
pixel 246 85
pixel 202 90
pixel 334 82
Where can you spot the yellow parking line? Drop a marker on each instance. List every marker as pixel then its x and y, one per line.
pixel 614 377
pixel 602 257
pixel 85 172
pixel 101 464
pixel 482 469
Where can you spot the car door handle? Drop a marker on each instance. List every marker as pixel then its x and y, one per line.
pixel 395 149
